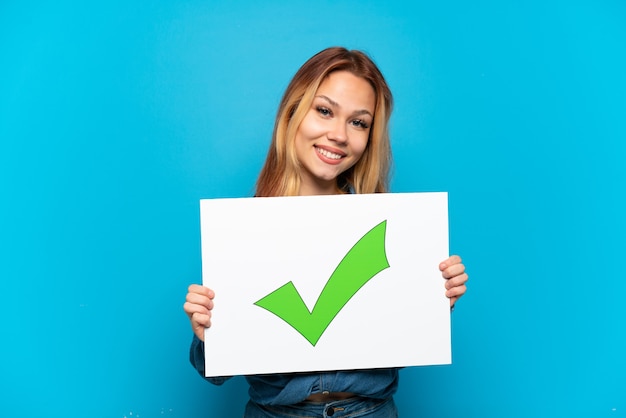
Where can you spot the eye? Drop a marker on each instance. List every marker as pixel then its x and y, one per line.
pixel 324 111
pixel 360 124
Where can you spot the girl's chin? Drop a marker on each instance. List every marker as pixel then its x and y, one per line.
pixel 328 176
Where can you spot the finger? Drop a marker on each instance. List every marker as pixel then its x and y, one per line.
pixel 193 308
pixel 456 281
pixel 199 324
pixel 201 290
pixel 453 270
pixel 197 299
pixel 200 320
pixel 456 292
pixel 452 260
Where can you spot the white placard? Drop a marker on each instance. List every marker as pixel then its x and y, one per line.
pixel 253 246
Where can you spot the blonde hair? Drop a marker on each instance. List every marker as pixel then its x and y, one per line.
pixel 280 175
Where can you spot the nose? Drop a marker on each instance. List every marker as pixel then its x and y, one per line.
pixel 338 132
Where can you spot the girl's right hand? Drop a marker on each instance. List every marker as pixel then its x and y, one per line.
pixel 198 306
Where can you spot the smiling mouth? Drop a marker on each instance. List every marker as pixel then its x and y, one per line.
pixel 328 154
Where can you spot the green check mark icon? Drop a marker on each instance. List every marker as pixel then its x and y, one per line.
pixel 365 259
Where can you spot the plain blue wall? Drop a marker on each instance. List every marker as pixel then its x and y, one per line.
pixel 117 117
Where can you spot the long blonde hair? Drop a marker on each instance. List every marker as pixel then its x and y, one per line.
pixel 280 175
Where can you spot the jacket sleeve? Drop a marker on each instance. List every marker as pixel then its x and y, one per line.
pixel 196 357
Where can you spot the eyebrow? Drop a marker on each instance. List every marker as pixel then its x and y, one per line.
pixel 334 103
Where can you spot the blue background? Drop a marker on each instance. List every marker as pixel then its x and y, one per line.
pixel 117 117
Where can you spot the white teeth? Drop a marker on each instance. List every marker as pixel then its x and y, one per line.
pixel 328 154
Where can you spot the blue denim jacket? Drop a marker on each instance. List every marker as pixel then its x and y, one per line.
pixel 291 388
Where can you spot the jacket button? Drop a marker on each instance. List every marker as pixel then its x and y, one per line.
pixel 330 411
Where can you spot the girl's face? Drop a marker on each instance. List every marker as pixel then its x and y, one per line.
pixel 334 133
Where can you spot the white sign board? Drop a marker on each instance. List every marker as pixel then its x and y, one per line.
pixel 316 283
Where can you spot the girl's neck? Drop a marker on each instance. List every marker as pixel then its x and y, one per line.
pixel 319 190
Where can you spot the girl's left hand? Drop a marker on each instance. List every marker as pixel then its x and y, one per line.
pixel 454 272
